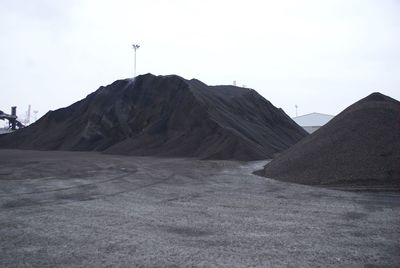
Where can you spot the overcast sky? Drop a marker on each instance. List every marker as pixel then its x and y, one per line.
pixel 320 55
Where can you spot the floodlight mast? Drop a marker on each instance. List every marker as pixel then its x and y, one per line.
pixel 135 47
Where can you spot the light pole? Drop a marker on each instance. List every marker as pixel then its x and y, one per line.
pixel 296 108
pixel 135 47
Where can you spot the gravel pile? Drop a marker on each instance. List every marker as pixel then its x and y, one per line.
pixel 165 116
pixel 359 147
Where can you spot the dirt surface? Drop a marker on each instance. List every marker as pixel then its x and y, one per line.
pixel 360 147
pixel 79 209
pixel 165 116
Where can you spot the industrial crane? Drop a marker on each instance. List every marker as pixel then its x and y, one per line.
pixel 12 119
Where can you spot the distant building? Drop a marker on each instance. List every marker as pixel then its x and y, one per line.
pixel 313 121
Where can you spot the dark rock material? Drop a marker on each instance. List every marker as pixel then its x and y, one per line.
pixel 359 147
pixel 164 116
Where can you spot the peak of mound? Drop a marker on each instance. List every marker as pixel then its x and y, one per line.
pixel 374 98
pixel 164 116
pixel 377 96
pixel 359 147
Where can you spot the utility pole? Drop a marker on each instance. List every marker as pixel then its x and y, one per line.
pixel 296 108
pixel 135 47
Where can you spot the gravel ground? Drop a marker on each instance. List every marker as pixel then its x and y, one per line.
pixel 72 209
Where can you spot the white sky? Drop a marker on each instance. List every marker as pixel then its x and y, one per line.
pixel 320 55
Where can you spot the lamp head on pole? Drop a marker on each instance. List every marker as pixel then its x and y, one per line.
pixel 135 46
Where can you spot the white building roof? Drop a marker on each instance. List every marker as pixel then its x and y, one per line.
pixel 312 119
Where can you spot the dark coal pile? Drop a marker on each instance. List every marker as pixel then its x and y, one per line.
pixel 165 116
pixel 359 147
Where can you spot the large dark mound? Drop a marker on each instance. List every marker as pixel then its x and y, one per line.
pixel 164 116
pixel 359 147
